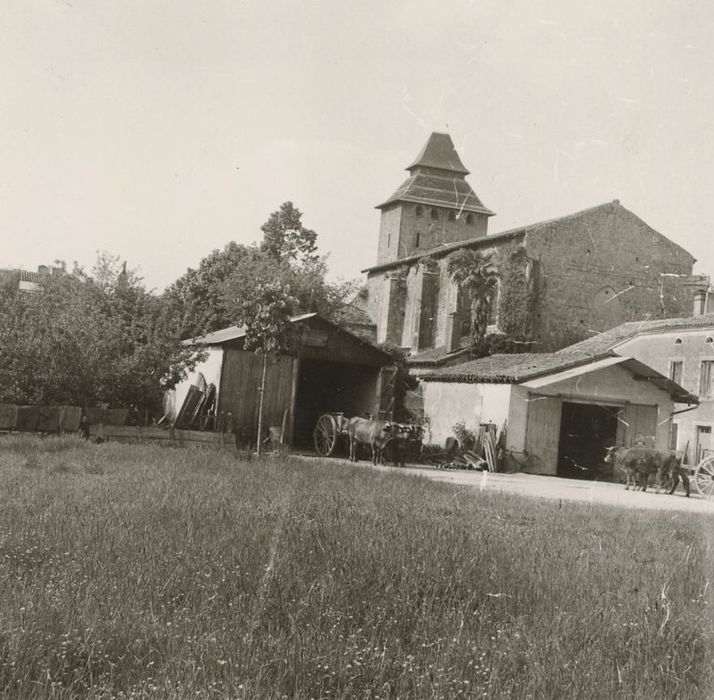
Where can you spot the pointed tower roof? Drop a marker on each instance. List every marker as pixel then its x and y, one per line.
pixel 439 152
pixel 438 178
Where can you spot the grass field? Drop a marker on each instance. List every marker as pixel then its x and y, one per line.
pixel 134 571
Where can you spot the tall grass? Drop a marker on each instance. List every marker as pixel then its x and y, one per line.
pixel 134 571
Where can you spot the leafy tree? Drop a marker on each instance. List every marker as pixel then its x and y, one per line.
pixel 204 299
pixel 474 273
pixel 285 238
pixel 84 340
pixel 266 314
pixel 307 282
pixel 198 300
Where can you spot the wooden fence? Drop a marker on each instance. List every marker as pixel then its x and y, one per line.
pixel 154 434
pixel 108 424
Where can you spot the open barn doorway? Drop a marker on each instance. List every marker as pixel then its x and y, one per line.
pixel 331 387
pixel 585 431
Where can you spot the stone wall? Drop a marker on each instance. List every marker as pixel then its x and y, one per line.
pixel 600 269
pixel 584 273
pixel 404 231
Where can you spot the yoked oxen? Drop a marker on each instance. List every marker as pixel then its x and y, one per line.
pixel 407 439
pixel 375 433
pixel 639 463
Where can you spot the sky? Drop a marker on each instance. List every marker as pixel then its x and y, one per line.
pixel 160 131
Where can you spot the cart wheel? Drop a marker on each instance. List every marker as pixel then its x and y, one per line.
pixel 704 477
pixel 325 435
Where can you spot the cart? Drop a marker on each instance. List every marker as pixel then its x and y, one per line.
pixel 704 476
pixel 328 429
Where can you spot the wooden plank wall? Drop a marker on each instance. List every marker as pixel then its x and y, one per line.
pixel 543 431
pixel 637 420
pixel 340 346
pixel 239 395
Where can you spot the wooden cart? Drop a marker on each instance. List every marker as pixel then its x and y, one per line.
pixel 704 476
pixel 328 431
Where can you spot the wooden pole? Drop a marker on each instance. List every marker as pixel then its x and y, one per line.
pixel 290 435
pixel 260 404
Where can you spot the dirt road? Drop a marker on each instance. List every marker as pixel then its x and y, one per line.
pixel 557 488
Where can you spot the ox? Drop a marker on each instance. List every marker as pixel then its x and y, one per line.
pixel 406 440
pixel 375 433
pixel 639 463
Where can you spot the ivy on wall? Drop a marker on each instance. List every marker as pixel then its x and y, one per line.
pixel 518 291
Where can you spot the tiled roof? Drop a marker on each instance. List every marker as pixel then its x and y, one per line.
pixel 505 368
pixel 608 340
pixel 539 368
pixel 597 346
pixel 438 190
pixel 439 152
pixel 352 315
pixel 438 356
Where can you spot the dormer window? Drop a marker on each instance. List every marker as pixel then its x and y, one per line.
pixel 709 339
pixel 469 218
pixel 677 341
pixel 434 214
pixel 419 210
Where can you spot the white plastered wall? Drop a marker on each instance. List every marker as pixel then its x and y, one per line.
pixel 448 403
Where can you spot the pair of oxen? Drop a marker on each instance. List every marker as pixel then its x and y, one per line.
pixel 639 463
pixel 383 436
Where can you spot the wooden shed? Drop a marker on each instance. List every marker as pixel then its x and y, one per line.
pixel 560 412
pixel 332 371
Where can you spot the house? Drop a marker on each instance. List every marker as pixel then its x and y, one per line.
pixel 27 280
pixel 560 409
pixel 559 279
pixel 332 371
pixel 683 350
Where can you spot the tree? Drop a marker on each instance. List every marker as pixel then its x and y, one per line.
pixel 475 275
pixel 285 238
pixel 204 299
pixel 266 314
pixel 83 340
pixel 197 298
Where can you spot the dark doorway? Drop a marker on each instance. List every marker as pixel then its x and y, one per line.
pixel 585 431
pixel 331 387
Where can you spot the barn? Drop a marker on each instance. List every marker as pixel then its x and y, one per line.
pixel 560 412
pixel 333 370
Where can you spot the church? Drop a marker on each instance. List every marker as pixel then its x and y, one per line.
pixel 560 280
